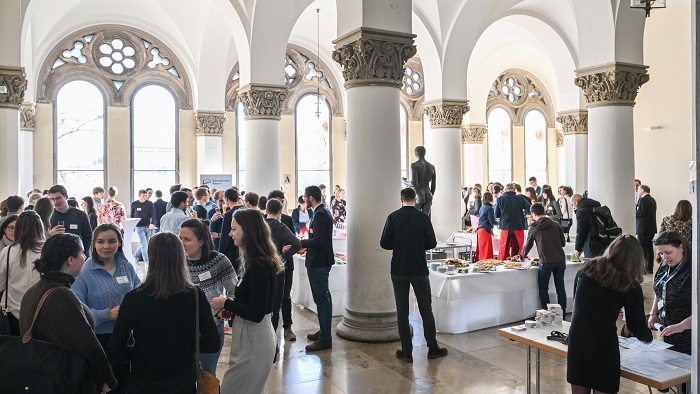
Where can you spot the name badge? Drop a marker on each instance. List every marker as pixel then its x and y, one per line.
pixel 660 304
pixel 122 280
pixel 138 209
pixel 311 231
pixel 204 276
pixel 73 226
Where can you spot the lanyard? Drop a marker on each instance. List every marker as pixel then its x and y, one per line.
pixel 667 278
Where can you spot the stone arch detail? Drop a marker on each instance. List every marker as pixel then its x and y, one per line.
pixel 519 91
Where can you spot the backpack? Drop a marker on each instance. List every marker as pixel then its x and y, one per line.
pixel 607 228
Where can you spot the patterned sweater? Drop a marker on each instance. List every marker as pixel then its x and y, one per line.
pixel 213 275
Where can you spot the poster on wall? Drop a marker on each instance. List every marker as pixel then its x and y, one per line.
pixel 217 181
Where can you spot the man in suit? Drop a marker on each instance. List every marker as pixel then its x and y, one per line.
pixel 319 260
pixel 511 209
pixel 646 224
pixel 226 245
pixel 409 233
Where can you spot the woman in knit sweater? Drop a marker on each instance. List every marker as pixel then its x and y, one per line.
pixel 106 277
pixel 209 270
pixel 18 258
pixel 63 319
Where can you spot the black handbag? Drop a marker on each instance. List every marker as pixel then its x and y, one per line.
pixel 29 365
pixel 4 323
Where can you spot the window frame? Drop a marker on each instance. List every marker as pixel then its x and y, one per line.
pixel 296 141
pixel 488 153
pixel 546 145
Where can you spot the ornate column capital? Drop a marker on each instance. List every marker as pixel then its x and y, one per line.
pixel 446 113
pixel 26 116
pixel 373 57
pixel 560 139
pixel 474 133
pixel 611 84
pixel 209 123
pixel 13 84
pixel 262 101
pixel 574 121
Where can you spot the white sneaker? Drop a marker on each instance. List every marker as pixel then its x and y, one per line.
pixel 289 334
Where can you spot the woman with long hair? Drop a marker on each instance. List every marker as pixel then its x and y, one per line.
pixel 681 221
pixel 18 258
pixel 606 284
pixel 87 204
pixel 566 208
pixel 484 230
pixel 209 270
pixel 531 195
pixel 253 339
pixel 64 320
pixel 106 277
pixel 44 207
pixel 7 232
pixel 160 316
pixel 551 206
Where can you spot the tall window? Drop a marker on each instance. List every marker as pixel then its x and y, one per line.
pixel 240 143
pixel 499 141
pixel 403 121
pixel 80 136
pixel 154 139
pixel 536 146
pixel 313 141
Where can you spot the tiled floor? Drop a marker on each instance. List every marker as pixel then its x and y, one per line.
pixel 479 362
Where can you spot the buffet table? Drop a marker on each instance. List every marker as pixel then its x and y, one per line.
pixel 469 302
pixel 470 238
pixel 337 284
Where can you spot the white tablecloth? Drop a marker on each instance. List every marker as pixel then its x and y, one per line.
pixel 337 284
pixel 469 302
pixel 467 237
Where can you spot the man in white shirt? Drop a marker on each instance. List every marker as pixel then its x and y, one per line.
pixel 172 220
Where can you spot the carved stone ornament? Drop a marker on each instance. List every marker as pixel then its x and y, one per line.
pixel 262 101
pixel 373 57
pixel 26 116
pixel 474 134
pixel 560 139
pixel 13 84
pixel 573 122
pixel 446 113
pixel 210 123
pixel 611 84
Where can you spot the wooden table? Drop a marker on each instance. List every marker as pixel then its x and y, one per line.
pixel 537 338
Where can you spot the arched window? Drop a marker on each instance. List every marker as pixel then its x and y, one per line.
pixel 403 121
pixel 536 146
pixel 499 141
pixel 80 123
pixel 240 143
pixel 154 139
pixel 313 141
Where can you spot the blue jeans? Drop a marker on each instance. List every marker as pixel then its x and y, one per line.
pixel 421 288
pixel 543 275
pixel 318 279
pixel 209 360
pixel 144 234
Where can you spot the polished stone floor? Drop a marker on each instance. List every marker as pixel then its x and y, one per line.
pixel 478 362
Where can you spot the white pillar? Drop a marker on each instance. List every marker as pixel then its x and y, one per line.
pixel 694 385
pixel 263 108
pixel 9 157
pixel 209 131
pixel 373 167
pixel 575 128
pixel 561 162
pixel 445 128
pixel 610 90
pixel 473 154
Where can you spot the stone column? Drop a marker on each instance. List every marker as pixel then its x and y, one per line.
pixel 209 131
pixel 610 91
pixel 12 87
pixel 372 62
pixel 445 126
pixel 561 162
pixel 575 129
pixel 26 147
pixel 473 154
pixel 262 105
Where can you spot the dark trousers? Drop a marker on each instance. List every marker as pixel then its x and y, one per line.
pixel 543 274
pixel 121 371
pixel 14 324
pixel 421 288
pixel 645 239
pixel 283 299
pixel 318 279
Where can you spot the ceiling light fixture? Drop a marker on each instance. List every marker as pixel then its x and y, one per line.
pixel 647 5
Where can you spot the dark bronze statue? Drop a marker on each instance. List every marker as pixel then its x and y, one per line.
pixel 422 180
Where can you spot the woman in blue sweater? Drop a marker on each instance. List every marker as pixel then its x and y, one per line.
pixel 484 231
pixel 106 277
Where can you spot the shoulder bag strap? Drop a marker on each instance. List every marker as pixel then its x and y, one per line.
pixel 197 369
pixel 7 279
pixel 28 336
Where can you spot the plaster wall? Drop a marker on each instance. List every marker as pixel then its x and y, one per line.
pixel 43 146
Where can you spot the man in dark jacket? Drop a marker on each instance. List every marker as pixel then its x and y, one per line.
pixel 226 245
pixel 319 260
pixel 549 237
pixel 409 233
pixel 511 210
pixel 288 270
pixel 646 224
pixel 588 241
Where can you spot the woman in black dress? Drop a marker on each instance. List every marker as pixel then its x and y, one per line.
pixel 607 284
